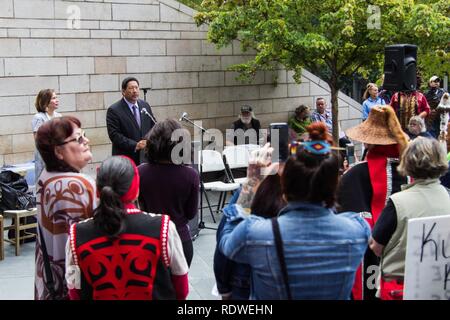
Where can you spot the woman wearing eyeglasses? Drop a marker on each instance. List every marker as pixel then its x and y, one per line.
pixel 63 196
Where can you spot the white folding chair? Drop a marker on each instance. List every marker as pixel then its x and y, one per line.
pixel 238 157
pixel 211 161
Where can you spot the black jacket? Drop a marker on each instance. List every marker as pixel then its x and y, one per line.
pixel 434 96
pixel 255 124
pixel 123 131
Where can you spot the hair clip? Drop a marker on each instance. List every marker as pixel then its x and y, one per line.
pixel 318 147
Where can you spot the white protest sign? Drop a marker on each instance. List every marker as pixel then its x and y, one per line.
pixel 427 265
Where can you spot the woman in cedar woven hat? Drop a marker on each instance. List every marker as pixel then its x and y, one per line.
pixel 366 186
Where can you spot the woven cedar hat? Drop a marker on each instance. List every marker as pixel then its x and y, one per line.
pixel 381 127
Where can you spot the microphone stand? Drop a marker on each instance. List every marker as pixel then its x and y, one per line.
pixel 144 111
pixel 201 224
pixel 145 92
pixel 141 155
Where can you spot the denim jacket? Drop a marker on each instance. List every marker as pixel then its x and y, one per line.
pixel 231 277
pixel 322 251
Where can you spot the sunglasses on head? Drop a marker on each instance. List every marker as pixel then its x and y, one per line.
pixel 80 139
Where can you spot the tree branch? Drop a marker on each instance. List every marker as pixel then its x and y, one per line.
pixel 358 66
pixel 353 55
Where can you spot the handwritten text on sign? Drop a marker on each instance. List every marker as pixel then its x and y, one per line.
pixel 427 265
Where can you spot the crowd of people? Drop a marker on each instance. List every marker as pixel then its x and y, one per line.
pixel 299 229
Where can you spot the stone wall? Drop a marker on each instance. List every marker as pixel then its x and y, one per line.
pixel 156 41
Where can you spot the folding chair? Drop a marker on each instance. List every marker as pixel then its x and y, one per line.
pixel 211 161
pixel 238 157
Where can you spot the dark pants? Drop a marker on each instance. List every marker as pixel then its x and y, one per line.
pixel 188 250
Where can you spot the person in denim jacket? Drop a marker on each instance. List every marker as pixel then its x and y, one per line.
pixel 232 278
pixel 322 250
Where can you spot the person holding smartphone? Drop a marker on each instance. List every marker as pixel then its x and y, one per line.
pixel 321 249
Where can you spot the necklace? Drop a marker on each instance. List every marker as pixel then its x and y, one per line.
pixel 133 211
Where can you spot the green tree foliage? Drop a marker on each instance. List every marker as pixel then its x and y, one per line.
pixel 194 4
pixel 342 37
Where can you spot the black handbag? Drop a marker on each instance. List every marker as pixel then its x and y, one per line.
pixel 14 196
pixel 14 192
pixel 48 280
pixel 280 254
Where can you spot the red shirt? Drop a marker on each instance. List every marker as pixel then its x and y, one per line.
pixel 422 103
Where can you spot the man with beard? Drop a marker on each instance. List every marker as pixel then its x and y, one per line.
pixel 245 130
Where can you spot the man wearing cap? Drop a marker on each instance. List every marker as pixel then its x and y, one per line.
pixel 433 96
pixel 245 130
pixel 365 187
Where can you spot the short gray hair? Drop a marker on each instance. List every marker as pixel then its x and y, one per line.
pixel 419 120
pixel 424 158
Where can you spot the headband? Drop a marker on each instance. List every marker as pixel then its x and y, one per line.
pixel 317 147
pixel 133 190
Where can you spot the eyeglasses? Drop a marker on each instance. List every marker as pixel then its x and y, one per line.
pixel 80 139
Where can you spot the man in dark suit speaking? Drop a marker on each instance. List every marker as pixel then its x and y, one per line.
pixel 127 123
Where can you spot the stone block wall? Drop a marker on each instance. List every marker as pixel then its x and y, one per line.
pixel 41 46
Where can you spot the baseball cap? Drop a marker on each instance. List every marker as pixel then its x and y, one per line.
pixel 434 78
pixel 246 108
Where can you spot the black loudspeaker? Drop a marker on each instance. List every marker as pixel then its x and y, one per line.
pixel 400 67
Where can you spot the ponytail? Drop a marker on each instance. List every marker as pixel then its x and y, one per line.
pixel 110 213
pixel 114 178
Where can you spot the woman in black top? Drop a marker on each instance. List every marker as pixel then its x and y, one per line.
pixel 167 187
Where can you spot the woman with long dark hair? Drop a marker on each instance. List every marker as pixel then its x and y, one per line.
pixel 123 253
pixel 322 250
pixel 232 278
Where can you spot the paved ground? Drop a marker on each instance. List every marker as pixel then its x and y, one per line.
pixel 17 273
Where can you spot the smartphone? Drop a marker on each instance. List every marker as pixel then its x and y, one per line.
pixel 279 141
pixel 350 153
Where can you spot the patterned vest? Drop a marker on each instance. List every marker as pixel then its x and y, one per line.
pixel 133 266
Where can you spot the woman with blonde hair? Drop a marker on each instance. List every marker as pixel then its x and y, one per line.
pixel 371 99
pixel 425 161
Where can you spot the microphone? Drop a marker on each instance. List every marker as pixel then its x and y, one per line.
pixel 183 116
pixel 144 111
